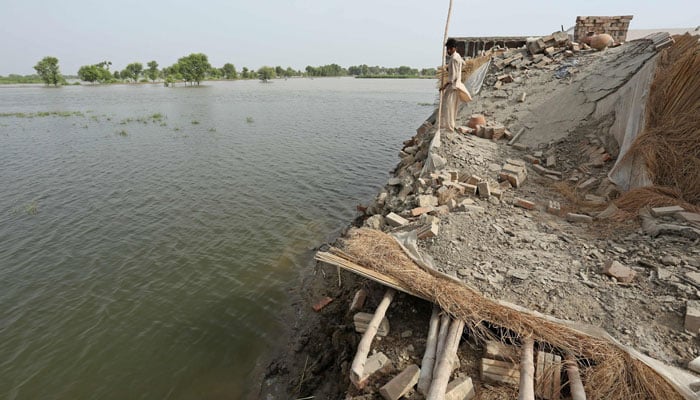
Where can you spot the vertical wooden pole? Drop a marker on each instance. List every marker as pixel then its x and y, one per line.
pixel 527 371
pixel 426 367
pixel 575 384
pixel 441 376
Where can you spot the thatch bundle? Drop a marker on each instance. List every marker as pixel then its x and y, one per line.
pixel 468 67
pixel 612 374
pixel 670 142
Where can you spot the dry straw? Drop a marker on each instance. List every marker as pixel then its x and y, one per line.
pixel 612 374
pixel 670 142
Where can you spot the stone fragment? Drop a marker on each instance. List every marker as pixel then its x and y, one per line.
pixel 358 301
pixel 619 271
pixel 551 162
pixel 521 98
pixel 532 159
pixel 375 222
pixel 401 384
pixel 520 146
pixel 426 200
pixel 662 211
pixel 361 321
pixel 571 217
pixel 694 365
pixel 394 181
pixel 375 363
pixel 395 220
pixel 692 316
pixel 692 218
pixel 670 260
pixel 460 389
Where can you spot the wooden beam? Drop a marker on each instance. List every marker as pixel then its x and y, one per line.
pixel 426 368
pixel 527 371
pixel 445 363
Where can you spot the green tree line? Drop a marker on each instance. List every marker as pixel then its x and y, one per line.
pixel 195 68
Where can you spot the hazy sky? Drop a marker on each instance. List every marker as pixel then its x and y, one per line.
pixel 292 33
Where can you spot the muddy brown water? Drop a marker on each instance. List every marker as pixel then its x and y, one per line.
pixel 148 235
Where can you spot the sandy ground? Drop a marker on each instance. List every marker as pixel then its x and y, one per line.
pixel 528 257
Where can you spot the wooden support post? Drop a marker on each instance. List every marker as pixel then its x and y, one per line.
pixel 426 368
pixel 442 336
pixel 358 364
pixel 575 384
pixel 441 376
pixel 527 371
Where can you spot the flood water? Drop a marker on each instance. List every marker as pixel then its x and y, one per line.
pixel 148 235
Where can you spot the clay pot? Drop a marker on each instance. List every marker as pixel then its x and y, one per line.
pixel 476 119
pixel 600 42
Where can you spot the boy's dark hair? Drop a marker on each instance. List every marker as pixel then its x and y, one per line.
pixel 451 43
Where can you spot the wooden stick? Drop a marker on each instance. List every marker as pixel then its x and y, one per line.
pixel 441 376
pixel 516 137
pixel 426 367
pixel 575 384
pixel 527 371
pixel 443 63
pixel 358 364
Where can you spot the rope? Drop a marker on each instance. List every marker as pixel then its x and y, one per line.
pixel 444 64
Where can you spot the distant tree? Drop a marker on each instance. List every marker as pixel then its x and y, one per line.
pixel 194 67
pixel 215 73
pixel 279 71
pixel 230 71
pixel 428 72
pixel 88 73
pixel 116 75
pixel 152 71
pixel 266 73
pixel 133 71
pixel 48 70
pixel 289 72
pixel 244 73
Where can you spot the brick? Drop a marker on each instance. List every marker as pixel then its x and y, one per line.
pixel 589 183
pixel 488 132
pixel 572 217
pixel 498 132
pixel 520 146
pixel 394 219
pixel 505 78
pixel 515 180
pixel 358 301
pixel 526 204
pixel 320 304
pixel 483 189
pixel 473 180
pixel 469 189
pixel 514 169
pixel 692 316
pixel 692 218
pixel 553 207
pixel 499 372
pixel 497 193
pixel 670 210
pixel 460 389
pixel 401 384
pixel 508 135
pixel 377 362
pixel 619 271
pixel 426 200
pixel 532 159
pixel 428 231
pixel 421 210
pixel 441 210
pixel 361 321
